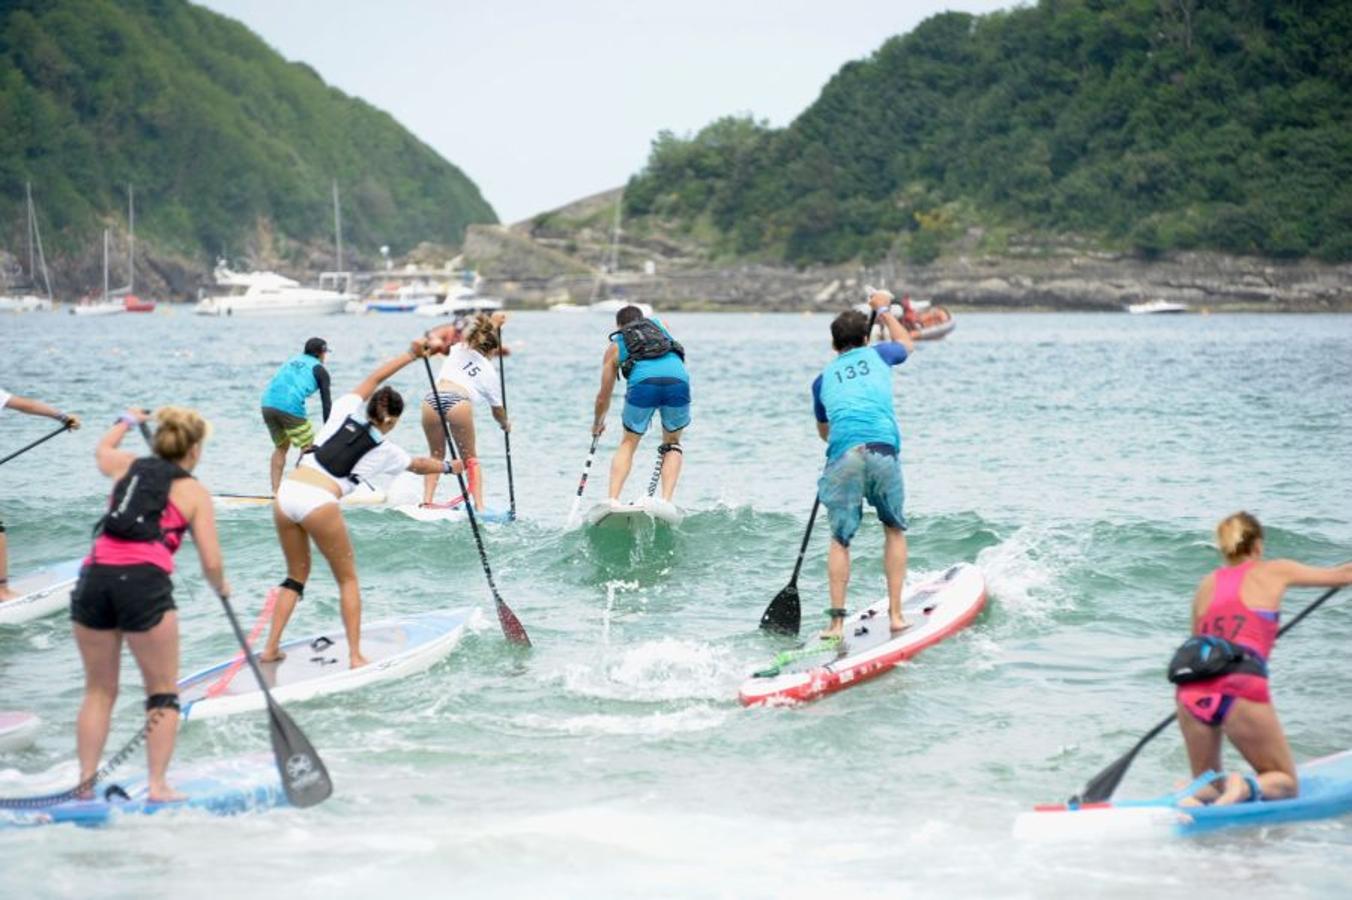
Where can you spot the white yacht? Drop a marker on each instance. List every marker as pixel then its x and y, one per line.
pixel 393 298
pixel 1156 307
pixel 460 300
pixel 267 294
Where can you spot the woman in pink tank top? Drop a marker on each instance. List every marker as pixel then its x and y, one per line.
pixel 1241 603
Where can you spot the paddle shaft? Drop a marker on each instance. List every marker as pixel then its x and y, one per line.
pixel 506 435
pixel 1119 767
pixel 65 426
pixel 229 675
pixel 582 482
pixel 511 625
pixel 807 536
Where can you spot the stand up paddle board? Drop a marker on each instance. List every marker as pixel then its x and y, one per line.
pixel 1325 792
pixel 646 510
pixel 221 787
pixel 448 513
pixel 17 730
pixel 41 593
pixel 317 665
pixel 364 495
pixel 935 610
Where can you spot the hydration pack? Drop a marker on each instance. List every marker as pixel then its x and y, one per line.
pixel 1206 656
pixel 342 451
pixel 645 339
pixel 139 500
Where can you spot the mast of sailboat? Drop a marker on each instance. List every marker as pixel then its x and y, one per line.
pixel 28 192
pixel 131 243
pixel 105 265
pixel 35 238
pixel 337 226
pixel 614 254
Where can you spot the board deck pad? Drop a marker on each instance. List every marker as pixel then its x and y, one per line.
pixel 642 512
pixel 41 593
pixel 17 730
pixel 1325 792
pixel 318 665
pixel 220 787
pixel 934 610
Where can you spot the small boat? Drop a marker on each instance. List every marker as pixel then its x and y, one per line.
pixel 106 306
pixel 134 304
pixel 1156 307
pixel 130 302
pixel 462 300
pixel 395 298
pixel 29 300
pixel 935 322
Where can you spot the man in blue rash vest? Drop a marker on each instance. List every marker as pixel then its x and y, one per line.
pixel 653 362
pixel 32 408
pixel 284 402
pixel 852 400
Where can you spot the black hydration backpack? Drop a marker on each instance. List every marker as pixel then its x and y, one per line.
pixel 644 339
pixel 342 451
pixel 139 500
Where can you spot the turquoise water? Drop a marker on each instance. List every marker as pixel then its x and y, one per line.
pixel 1079 460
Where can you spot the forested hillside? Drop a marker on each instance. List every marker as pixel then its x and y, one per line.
pixel 223 139
pixel 1156 125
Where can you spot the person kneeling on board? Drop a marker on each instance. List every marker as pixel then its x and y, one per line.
pixel 32 408
pixel 653 362
pixel 1221 672
pixel 350 447
pixel 125 590
pixel 467 374
pixel 852 400
pixel 284 403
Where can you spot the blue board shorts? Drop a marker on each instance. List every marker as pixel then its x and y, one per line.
pixel 869 472
pixel 643 398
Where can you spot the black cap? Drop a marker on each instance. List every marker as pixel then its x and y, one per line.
pixel 316 346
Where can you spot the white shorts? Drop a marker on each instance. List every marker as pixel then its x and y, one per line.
pixel 296 499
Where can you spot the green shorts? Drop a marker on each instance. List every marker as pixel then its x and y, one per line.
pixel 286 429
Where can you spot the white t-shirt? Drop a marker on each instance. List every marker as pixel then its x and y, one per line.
pixel 386 458
pixel 4 399
pixel 474 373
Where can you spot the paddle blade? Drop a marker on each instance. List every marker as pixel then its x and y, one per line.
pixel 304 777
pixel 511 625
pixel 784 614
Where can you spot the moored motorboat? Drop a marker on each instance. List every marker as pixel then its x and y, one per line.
pixel 266 294
pixel 1156 307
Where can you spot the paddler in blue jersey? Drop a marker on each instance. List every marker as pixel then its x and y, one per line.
pixel 653 362
pixel 284 402
pixel 852 399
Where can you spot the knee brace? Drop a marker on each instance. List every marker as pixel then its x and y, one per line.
pixel 292 584
pixel 664 449
pixel 162 701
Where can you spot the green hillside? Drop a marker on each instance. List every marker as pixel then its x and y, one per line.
pixel 1152 124
pixel 222 137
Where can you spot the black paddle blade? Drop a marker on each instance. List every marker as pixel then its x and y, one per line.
pixel 304 777
pixel 1101 787
pixel 511 625
pixel 784 614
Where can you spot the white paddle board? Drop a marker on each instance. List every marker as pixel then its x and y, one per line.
pixel 41 593
pixel 611 514
pixel 18 730
pixel 364 495
pixel 935 610
pixel 446 513
pixel 317 665
pixel 219 787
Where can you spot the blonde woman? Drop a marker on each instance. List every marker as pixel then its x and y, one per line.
pixel 467 374
pixel 1241 603
pixel 125 591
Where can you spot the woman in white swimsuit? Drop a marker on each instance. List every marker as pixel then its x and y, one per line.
pixel 349 448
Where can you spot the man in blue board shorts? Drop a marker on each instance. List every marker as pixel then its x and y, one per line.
pixel 653 362
pixel 852 399
pixel 284 402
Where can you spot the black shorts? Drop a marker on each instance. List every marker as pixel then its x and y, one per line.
pixel 126 598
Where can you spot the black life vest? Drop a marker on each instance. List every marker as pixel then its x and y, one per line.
pixel 1206 656
pixel 341 451
pixel 645 339
pixel 139 500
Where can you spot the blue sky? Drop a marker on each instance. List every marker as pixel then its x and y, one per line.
pixel 542 103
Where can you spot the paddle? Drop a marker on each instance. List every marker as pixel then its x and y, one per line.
pixel 582 482
pixel 65 426
pixel 1101 786
pixel 219 687
pixel 785 612
pixel 511 625
pixel 506 435
pixel 304 777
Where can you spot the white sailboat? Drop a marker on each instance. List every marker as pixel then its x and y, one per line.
pixel 614 304
pixel 29 300
pixel 105 306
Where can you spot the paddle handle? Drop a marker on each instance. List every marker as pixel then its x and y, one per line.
pixel 511 625
pixel 65 426
pixel 582 482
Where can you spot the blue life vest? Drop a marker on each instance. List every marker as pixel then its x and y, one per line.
pixel 292 385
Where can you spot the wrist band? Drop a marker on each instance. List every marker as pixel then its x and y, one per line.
pixel 127 419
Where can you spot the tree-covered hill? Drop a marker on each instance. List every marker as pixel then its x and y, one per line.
pixel 223 139
pixel 1151 124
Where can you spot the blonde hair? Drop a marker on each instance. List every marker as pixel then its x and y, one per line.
pixel 483 335
pixel 179 429
pixel 1237 536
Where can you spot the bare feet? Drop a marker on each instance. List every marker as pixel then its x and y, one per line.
pixel 6 594
pixel 163 793
pixel 272 656
pixel 1236 790
pixel 356 661
pixel 898 624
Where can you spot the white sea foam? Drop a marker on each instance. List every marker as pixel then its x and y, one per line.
pixel 1025 571
pixel 660 724
pixel 663 670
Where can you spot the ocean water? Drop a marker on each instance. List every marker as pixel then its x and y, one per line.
pixel 1080 461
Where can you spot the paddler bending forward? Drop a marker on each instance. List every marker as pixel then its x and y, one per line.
pixel 1240 604
pixel 350 447
pixel 124 588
